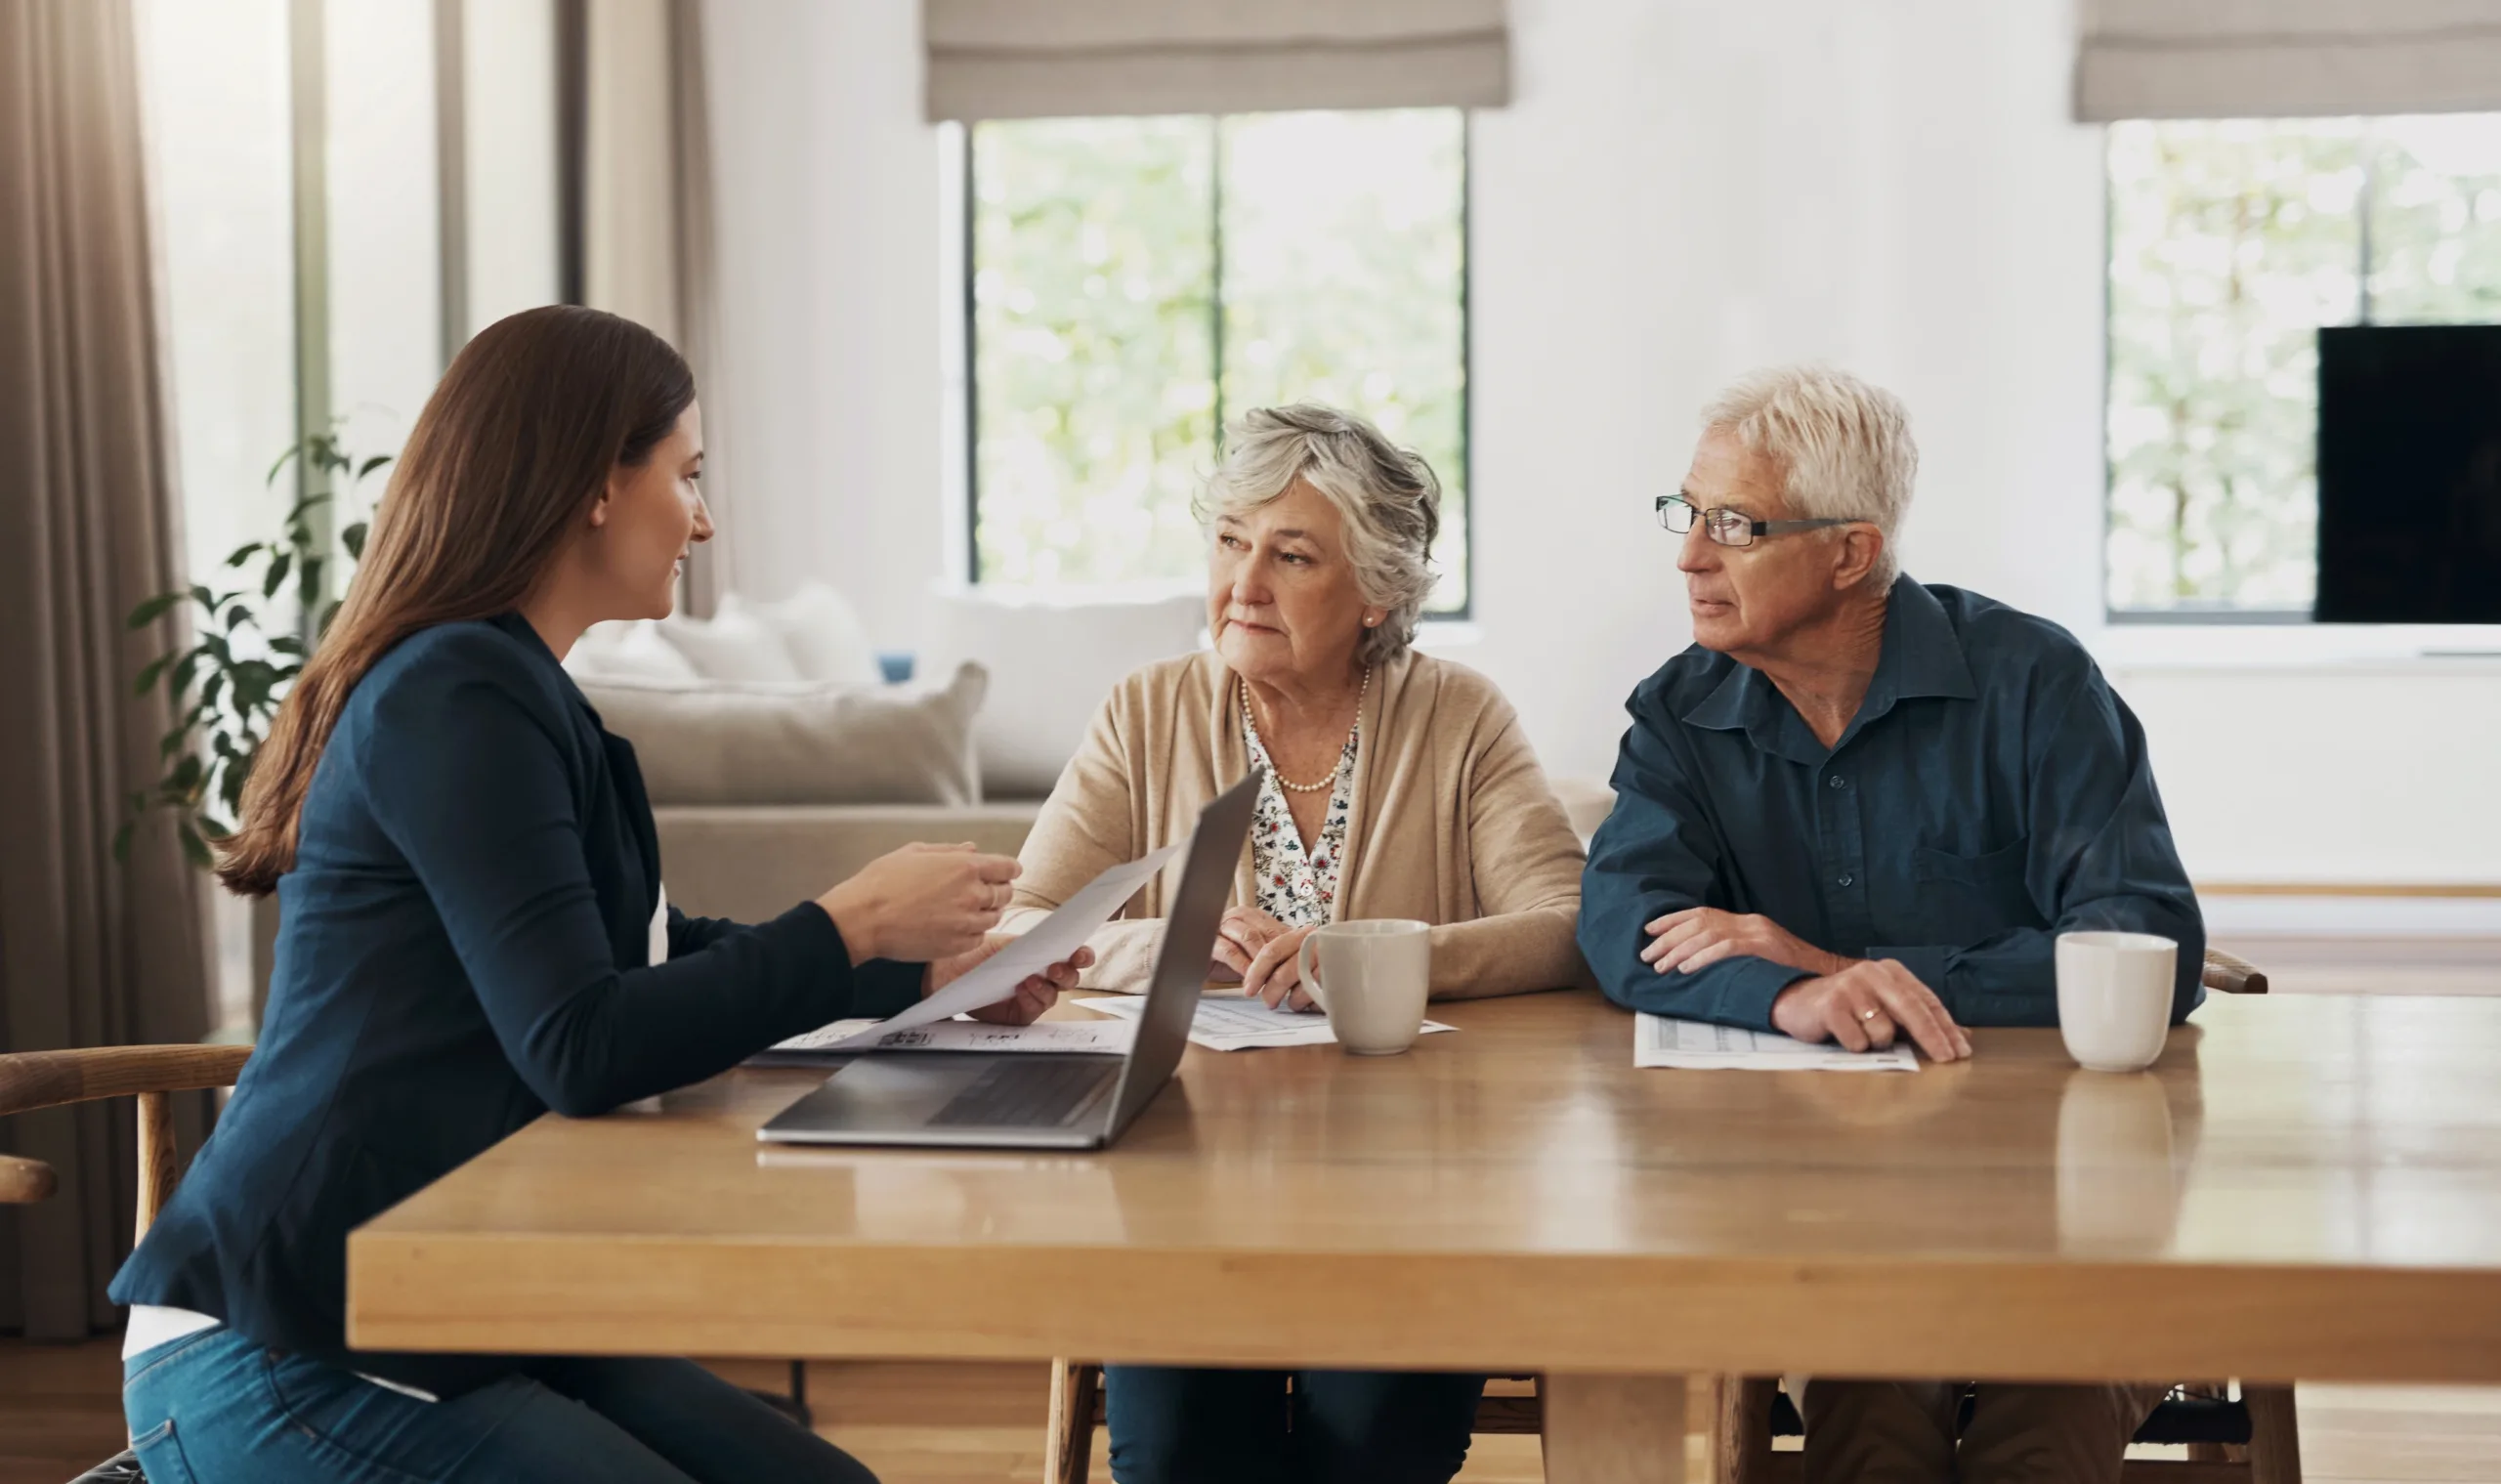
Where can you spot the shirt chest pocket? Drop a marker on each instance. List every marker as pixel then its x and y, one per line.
pixel 1963 899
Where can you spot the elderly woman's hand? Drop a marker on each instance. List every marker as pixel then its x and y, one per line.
pixel 1275 977
pixel 1239 937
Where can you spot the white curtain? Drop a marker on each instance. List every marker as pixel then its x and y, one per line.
pixel 647 208
pixel 1023 58
pixel 2257 59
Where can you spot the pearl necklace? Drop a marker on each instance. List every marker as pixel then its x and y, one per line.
pixel 1289 786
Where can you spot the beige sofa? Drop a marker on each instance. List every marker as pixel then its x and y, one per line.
pixel 752 863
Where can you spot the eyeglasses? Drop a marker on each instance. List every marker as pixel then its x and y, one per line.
pixel 1732 527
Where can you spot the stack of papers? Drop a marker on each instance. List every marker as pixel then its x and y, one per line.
pixel 1658 1041
pixel 847 1037
pixel 1236 1022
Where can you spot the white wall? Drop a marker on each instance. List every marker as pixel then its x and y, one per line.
pixel 829 377
pixel 1678 192
pixel 1681 192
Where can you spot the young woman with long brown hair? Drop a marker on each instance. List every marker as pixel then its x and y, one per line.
pixel 472 932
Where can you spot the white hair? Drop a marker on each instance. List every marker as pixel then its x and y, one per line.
pixel 1386 496
pixel 1844 446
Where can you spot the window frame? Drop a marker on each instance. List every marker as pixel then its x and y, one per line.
pixel 1465 610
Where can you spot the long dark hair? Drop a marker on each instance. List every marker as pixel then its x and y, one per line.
pixel 511 451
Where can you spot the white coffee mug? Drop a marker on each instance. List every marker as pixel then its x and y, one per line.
pixel 1372 978
pixel 2114 998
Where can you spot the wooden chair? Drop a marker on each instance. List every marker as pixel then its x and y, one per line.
pixel 33 1080
pixel 2249 1438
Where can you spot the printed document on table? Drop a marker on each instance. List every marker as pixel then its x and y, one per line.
pixel 1658 1041
pixel 1050 941
pixel 1236 1022
pixel 835 1039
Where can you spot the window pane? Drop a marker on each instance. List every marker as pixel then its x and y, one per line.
pixel 1092 303
pixel 214 87
pixel 1343 257
pixel 2231 242
pixel 2435 220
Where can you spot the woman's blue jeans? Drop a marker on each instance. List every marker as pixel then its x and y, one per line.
pixel 1201 1427
pixel 214 1408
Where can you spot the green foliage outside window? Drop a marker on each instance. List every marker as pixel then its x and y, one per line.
pixel 2231 242
pixel 1137 279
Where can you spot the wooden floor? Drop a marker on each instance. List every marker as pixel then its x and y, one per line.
pixel 60 1412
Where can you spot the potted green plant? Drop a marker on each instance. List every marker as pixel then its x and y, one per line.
pixel 246 645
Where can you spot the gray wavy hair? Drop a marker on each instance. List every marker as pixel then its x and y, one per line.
pixel 1387 497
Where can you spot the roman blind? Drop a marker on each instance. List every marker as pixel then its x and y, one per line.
pixel 2233 59
pixel 1028 59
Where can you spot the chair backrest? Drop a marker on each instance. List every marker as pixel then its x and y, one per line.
pixel 2230 974
pixel 33 1079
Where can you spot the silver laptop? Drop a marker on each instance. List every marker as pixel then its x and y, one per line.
pixel 1028 1100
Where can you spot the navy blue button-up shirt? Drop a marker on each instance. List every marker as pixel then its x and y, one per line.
pixel 1991 793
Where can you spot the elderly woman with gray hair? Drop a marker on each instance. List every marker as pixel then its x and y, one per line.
pixel 1397 785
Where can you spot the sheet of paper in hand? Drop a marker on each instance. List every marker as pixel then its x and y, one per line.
pixel 1658 1041
pixel 816 1046
pixel 1239 1023
pixel 1049 940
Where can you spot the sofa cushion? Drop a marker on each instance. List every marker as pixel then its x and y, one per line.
pixel 634 648
pixel 733 643
pixel 763 743
pixel 819 630
pixel 1052 658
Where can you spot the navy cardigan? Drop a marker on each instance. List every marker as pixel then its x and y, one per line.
pixel 463 945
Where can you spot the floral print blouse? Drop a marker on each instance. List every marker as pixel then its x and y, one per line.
pixel 1298 887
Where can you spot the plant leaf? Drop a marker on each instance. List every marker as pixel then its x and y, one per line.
pixel 352 538
pixel 154 609
pixel 371 464
pixel 147 677
pixel 287 644
pixel 121 842
pixel 194 849
pixel 276 577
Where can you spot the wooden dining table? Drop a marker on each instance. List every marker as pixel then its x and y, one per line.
pixel 2302 1187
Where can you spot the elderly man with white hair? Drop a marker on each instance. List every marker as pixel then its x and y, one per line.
pixel 1861 808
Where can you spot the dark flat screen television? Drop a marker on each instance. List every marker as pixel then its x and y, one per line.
pixel 2409 473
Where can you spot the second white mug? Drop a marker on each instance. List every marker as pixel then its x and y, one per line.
pixel 1371 977
pixel 2114 998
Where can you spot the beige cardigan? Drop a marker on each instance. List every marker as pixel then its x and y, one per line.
pixel 1452 823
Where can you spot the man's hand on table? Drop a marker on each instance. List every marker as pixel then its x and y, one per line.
pixel 1869 1003
pixel 1700 936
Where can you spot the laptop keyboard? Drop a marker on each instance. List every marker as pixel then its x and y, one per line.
pixel 1042 1092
